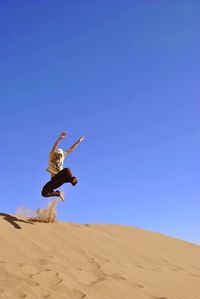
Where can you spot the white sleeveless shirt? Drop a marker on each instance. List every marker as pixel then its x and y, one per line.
pixel 55 163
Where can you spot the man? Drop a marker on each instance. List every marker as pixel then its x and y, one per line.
pixel 59 175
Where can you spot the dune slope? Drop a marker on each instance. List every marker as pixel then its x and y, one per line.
pixel 73 261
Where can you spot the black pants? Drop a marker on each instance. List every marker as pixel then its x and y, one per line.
pixel 64 176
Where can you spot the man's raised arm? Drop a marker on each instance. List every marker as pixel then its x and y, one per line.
pixel 74 146
pixel 62 136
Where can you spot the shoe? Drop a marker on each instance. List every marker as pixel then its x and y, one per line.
pixel 74 181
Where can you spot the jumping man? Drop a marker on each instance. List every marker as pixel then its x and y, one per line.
pixel 59 175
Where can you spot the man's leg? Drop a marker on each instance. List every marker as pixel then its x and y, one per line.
pixel 64 176
pixel 48 191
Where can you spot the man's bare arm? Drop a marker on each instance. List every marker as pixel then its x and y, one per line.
pixel 62 136
pixel 74 146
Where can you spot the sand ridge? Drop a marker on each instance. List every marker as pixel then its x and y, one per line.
pixel 94 261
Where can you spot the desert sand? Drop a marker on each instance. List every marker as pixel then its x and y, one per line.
pixel 94 261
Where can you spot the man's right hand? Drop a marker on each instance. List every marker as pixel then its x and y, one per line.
pixel 62 135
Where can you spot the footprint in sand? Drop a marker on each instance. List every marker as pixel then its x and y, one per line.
pixel 116 276
pixel 32 283
pixel 58 279
pixel 158 297
pixel 103 260
pixel 79 294
pixel 194 275
pixel 135 284
pixel 42 262
pixel 98 280
pixel 139 266
pixel 139 286
pixel 23 296
pixel 157 269
pixel 46 278
pixel 176 269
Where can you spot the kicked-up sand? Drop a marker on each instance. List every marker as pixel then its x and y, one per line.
pixel 93 261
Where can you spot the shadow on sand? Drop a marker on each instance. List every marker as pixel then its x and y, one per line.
pixel 12 220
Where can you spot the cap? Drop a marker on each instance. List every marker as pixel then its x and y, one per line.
pixel 59 151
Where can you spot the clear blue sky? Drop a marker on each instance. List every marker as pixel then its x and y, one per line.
pixel 126 75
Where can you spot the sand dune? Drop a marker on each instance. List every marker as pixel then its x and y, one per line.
pixel 72 261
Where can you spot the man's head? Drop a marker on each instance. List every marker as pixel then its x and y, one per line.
pixel 59 152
